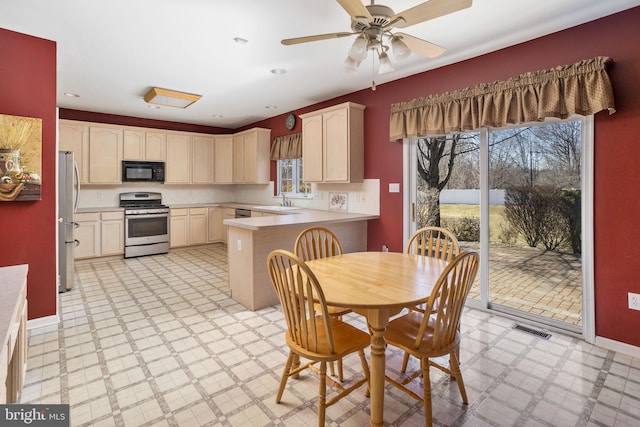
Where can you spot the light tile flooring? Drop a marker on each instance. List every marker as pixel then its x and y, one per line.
pixel 157 341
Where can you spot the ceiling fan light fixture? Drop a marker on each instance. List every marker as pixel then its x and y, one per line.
pixel 384 66
pixel 170 98
pixel 358 50
pixel 399 48
pixel 350 65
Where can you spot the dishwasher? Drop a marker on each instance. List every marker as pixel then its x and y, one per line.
pixel 243 213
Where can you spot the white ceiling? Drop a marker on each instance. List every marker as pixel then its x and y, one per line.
pixel 111 52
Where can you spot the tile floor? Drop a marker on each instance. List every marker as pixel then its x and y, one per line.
pixel 157 341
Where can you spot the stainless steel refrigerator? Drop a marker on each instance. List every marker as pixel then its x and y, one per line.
pixel 68 198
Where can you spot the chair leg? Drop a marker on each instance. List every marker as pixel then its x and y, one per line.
pixel 455 368
pixel 426 381
pixel 340 372
pixel 331 369
pixel 295 363
pixel 405 362
pixel 322 394
pixel 365 369
pixel 285 375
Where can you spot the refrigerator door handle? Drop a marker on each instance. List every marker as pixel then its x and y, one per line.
pixel 76 172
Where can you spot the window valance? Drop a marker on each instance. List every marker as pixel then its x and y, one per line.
pixel 287 147
pixel 582 88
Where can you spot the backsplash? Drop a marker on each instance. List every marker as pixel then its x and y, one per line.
pixel 360 198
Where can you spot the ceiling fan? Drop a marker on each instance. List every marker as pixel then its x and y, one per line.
pixel 373 23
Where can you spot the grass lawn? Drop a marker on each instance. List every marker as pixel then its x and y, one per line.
pixel 460 211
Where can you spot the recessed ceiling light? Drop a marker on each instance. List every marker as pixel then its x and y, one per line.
pixel 217 116
pixel 270 107
pixel 278 71
pixel 154 107
pixel 240 40
pixel 71 95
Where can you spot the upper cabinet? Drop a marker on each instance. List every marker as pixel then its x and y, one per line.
pixel 140 144
pixel 202 152
pixel 178 164
pixel 333 144
pixel 251 156
pixel 223 159
pixel 190 158
pixel 105 154
pixel 74 136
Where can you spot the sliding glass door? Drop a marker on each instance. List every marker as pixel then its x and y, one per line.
pixel 517 195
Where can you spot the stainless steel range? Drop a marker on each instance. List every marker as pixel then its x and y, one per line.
pixel 146 224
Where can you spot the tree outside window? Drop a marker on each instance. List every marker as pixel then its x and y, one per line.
pixel 290 178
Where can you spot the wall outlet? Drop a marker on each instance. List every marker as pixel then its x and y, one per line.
pixel 239 245
pixel 634 301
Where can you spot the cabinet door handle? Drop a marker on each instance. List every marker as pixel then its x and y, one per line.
pixel 413 212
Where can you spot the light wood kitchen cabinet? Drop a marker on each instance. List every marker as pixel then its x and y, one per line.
pixel 178 164
pixel 105 154
pixel 88 234
pixel 202 159
pixel 179 227
pixel 111 233
pixel 139 144
pixel 216 228
pixel 74 136
pixel 198 226
pixel 251 156
pixel 333 144
pixel 223 160
pixel 228 213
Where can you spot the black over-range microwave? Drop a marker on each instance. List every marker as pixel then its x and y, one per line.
pixel 142 171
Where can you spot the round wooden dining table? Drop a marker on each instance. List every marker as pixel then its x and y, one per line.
pixel 377 285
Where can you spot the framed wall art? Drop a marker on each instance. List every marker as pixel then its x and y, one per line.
pixel 20 158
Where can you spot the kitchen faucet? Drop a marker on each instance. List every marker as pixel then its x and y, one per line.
pixel 285 202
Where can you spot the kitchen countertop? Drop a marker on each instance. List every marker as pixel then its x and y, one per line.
pixel 294 216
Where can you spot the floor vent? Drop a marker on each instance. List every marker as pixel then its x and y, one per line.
pixel 533 331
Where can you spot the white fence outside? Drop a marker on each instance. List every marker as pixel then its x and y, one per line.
pixel 470 197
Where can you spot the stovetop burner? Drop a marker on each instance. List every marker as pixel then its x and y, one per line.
pixel 139 203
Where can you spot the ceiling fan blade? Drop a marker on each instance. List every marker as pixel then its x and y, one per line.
pixel 356 10
pixel 420 46
pixel 298 40
pixel 428 10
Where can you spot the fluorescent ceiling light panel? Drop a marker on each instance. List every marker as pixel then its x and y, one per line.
pixel 170 98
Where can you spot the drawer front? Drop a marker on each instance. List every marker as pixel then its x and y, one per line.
pixel 179 212
pixel 87 216
pixel 110 216
pixel 198 211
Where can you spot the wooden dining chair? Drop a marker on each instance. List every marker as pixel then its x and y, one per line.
pixel 435 242
pixel 312 333
pixel 437 332
pixel 320 242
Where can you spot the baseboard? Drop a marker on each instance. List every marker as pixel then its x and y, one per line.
pixel 41 322
pixel 618 346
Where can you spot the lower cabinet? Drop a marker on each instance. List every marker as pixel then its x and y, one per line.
pixel 198 226
pixel 111 233
pixel 88 234
pixel 99 234
pixel 189 226
pixel 217 232
pixel 228 213
pixel 179 234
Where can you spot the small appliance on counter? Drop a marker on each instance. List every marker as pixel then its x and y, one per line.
pixel 146 224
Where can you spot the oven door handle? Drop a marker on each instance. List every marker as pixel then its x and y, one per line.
pixel 157 215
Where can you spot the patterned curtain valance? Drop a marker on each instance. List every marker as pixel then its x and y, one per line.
pixel 582 88
pixel 287 147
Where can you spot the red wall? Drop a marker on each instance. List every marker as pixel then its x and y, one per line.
pixel 28 88
pixel 617 153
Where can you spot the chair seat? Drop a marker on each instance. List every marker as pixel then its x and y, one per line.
pixel 347 339
pixel 403 331
pixel 338 311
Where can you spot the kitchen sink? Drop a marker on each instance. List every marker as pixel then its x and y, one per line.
pixel 275 208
